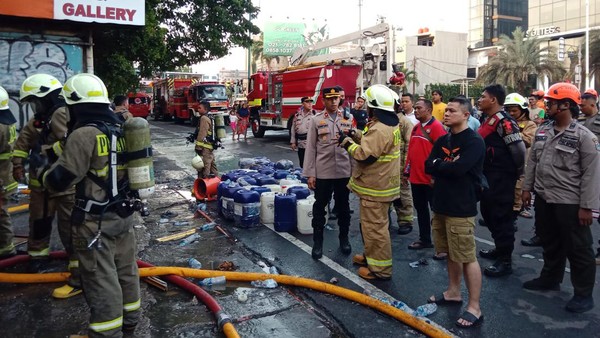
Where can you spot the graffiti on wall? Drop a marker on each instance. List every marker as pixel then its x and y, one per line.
pixel 24 55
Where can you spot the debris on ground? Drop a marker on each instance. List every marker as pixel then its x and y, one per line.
pixel 227 266
pixel 416 264
pixel 333 280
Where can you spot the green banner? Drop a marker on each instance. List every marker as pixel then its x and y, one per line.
pixel 282 38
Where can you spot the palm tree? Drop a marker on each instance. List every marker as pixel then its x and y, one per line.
pixel 518 59
pixel 410 76
pixel 257 52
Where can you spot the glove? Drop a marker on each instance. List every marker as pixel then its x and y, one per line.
pixel 351 132
pixel 18 172
pixel 342 138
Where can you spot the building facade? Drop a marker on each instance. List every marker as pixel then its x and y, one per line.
pixel 488 19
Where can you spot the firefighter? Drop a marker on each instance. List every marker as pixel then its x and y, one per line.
pixel 564 171
pixel 103 234
pixel 300 126
pixel 328 169
pixel 205 142
pixel 41 141
pixel 121 103
pixel 503 165
pixel 376 180
pixel 8 134
pixel 404 204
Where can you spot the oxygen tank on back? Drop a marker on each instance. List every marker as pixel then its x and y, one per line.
pixel 220 127
pixel 140 169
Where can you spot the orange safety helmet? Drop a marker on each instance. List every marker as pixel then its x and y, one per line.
pixel 592 92
pixel 563 90
pixel 538 93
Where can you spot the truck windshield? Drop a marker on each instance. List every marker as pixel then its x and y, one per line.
pixel 214 92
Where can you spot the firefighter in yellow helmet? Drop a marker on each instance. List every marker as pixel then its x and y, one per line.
pixel 103 234
pixel 376 180
pixel 8 134
pixel 41 140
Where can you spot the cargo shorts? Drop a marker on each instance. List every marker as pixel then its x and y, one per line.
pixel 456 236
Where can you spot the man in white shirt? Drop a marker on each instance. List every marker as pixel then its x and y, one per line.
pixel 407 102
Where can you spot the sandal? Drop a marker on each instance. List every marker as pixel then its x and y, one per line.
pixel 441 300
pixel 525 214
pixel 469 317
pixel 440 256
pixel 418 245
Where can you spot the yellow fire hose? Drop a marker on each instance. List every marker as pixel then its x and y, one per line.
pixel 17 209
pixel 423 325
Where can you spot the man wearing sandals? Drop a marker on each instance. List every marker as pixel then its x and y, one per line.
pixel 423 136
pixel 456 165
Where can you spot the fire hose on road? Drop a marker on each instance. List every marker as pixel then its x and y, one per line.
pixel 146 270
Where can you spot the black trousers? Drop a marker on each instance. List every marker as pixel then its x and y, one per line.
pixel 323 191
pixel 301 152
pixel 422 194
pixel 563 238
pixel 496 207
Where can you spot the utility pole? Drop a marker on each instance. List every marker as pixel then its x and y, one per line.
pixel 587 45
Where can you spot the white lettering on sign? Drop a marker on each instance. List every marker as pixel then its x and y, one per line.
pixel 542 31
pixel 130 12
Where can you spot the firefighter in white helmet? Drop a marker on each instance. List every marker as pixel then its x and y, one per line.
pixel 8 134
pixel 40 140
pixel 376 180
pixel 103 234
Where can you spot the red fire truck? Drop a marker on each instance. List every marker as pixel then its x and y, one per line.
pixel 187 99
pixel 163 90
pixel 275 97
pixel 139 104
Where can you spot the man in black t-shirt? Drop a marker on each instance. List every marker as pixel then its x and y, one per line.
pixel 360 115
pixel 456 165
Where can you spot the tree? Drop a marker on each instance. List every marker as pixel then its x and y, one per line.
pixel 257 53
pixel 177 34
pixel 410 76
pixel 518 59
pixel 595 52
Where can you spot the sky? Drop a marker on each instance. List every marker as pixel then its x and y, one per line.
pixel 343 19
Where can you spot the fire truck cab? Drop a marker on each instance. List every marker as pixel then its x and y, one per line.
pixel 139 104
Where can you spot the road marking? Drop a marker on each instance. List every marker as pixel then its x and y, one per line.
pixel 372 290
pixel 282 147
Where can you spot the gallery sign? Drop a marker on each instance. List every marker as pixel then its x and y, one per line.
pixel 119 12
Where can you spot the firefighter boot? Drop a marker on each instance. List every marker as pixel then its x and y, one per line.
pixel 344 242
pixel 66 291
pixel 317 250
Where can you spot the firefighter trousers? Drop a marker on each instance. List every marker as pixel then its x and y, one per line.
pixel 374 223
pixel 109 274
pixel 324 189
pixel 496 207
pixel 563 238
pixel 42 209
pixel 518 202
pixel 6 231
pixel 210 167
pixel 404 209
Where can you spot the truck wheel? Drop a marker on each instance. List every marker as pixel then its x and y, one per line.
pixel 257 130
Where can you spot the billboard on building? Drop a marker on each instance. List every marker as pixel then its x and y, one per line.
pixel 282 38
pixel 119 12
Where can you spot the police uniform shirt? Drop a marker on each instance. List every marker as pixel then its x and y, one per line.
pixel 300 127
pixel 593 124
pixel 564 167
pixel 324 159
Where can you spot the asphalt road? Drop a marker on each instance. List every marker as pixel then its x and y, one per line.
pixel 509 310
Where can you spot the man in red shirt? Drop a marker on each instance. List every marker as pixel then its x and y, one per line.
pixel 423 136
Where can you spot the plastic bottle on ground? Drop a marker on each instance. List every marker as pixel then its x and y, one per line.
pixel 396 303
pixel 425 310
pixel 208 226
pixel 273 270
pixel 213 281
pixel 265 284
pixel 194 263
pixel 189 240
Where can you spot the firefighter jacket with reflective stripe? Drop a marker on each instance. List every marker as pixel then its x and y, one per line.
pixel 205 133
pixel 88 150
pixel 8 135
pixel 35 140
pixel 323 158
pixel 405 127
pixel 376 175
